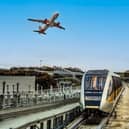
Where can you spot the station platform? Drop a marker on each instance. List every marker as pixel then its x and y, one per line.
pixel 120 119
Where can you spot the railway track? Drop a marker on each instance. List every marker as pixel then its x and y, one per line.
pixel 112 115
pixel 93 126
pixel 75 124
pixel 93 122
pixel 87 122
pixel 120 115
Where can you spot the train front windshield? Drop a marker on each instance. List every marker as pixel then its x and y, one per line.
pixel 95 82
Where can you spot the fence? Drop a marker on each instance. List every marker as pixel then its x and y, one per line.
pixel 29 98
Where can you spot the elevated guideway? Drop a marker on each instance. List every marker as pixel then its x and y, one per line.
pixel 16 112
pixel 120 116
pixel 43 119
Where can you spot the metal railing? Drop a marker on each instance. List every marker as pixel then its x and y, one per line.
pixel 30 98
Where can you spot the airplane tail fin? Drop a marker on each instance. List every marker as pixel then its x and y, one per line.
pixel 39 32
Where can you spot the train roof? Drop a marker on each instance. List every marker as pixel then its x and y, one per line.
pixel 97 72
pixel 101 72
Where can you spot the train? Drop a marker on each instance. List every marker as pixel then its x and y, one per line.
pixel 100 90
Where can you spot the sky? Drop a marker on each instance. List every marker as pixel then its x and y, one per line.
pixel 96 35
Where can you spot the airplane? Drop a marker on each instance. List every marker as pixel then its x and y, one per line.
pixel 48 23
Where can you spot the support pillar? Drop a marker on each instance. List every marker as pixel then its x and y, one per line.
pixel 3 95
pixel 8 98
pixel 38 126
pixel 41 125
pixel 52 119
pixel 45 124
pixel 64 117
pixel 32 127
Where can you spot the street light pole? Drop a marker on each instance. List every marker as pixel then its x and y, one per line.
pixel 40 63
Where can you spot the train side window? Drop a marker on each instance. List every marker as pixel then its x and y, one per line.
pixel 116 85
pixel 120 83
pixel 114 82
pixel 110 90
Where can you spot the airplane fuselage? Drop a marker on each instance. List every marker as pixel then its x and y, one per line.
pixel 52 19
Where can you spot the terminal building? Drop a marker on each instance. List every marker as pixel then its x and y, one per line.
pixel 22 79
pixel 14 84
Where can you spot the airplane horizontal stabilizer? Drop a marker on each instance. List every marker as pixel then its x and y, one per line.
pixel 39 32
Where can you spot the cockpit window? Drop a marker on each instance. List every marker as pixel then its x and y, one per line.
pixel 94 82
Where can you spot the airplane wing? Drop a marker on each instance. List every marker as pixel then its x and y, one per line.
pixel 61 27
pixel 57 24
pixel 45 21
pixel 35 20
